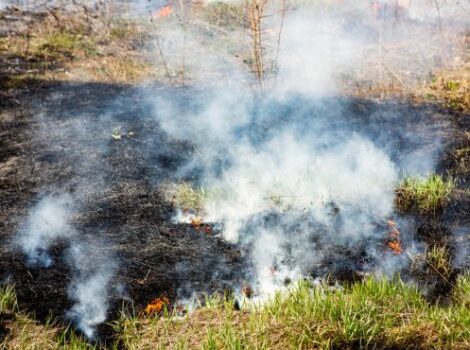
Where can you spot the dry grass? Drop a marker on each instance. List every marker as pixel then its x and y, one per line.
pixel 25 333
pixel 183 195
pixel 109 53
pixel 450 88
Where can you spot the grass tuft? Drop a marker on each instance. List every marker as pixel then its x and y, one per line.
pixel 7 298
pixel 423 195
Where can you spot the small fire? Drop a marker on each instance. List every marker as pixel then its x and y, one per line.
pixel 196 221
pixel 164 11
pixel 199 225
pixel 157 305
pixel 393 241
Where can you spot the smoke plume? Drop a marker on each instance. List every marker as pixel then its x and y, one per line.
pixel 47 222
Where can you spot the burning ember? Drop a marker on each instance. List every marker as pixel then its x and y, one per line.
pixel 393 241
pixel 157 305
pixel 196 221
pixel 199 225
pixel 164 11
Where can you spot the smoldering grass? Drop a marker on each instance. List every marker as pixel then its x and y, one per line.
pixel 423 195
pixel 374 313
pixel 185 195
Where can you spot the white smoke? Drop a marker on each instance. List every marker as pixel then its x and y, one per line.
pixel 48 221
pixel 89 290
pixel 298 168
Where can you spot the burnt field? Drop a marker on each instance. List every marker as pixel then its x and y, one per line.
pixel 103 146
pixel 204 175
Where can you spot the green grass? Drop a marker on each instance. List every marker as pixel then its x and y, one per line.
pixel 375 313
pixel 65 44
pixel 372 314
pixel 423 195
pixel 7 299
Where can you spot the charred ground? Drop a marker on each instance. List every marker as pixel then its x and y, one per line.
pixel 117 179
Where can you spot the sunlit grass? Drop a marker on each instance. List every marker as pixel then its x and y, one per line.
pixel 371 314
pixel 184 195
pixel 375 313
pixel 424 195
pixel 7 298
pixel 22 331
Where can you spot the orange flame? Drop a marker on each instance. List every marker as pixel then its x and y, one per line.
pixel 199 225
pixel 165 11
pixel 393 241
pixel 196 221
pixel 157 305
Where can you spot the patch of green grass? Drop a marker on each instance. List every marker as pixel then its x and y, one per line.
pixel 461 294
pixel 423 195
pixel 65 44
pixel 451 85
pixel 372 314
pixel 7 298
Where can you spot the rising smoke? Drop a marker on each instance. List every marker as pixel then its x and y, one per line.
pixel 90 287
pixel 285 159
pixel 47 222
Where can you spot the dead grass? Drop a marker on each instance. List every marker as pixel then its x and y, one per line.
pixel 110 53
pixel 450 88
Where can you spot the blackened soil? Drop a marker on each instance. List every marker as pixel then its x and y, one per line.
pixel 61 140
